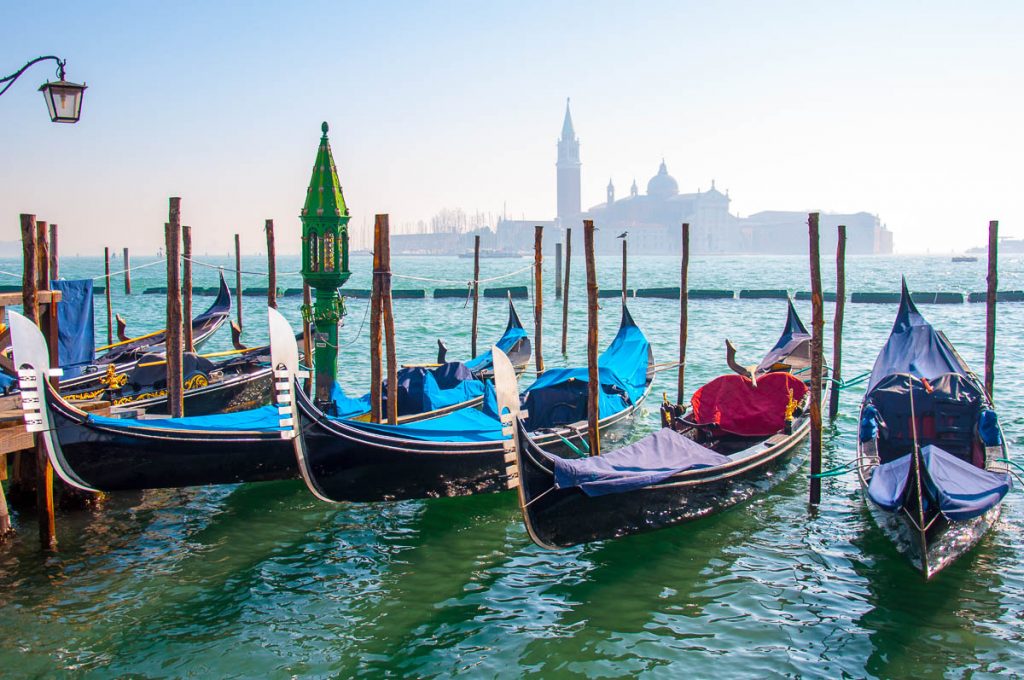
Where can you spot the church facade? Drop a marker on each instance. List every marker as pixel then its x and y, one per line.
pixel 653 218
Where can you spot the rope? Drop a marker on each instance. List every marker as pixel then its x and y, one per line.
pixel 468 282
pixel 836 471
pixel 130 269
pixel 17 276
pixel 366 313
pixel 1007 460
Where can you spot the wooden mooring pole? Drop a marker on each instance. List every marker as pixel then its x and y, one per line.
pixel 54 259
pixel 186 290
pixel 990 309
pixel 238 279
pixel 44 471
pixel 538 296
pixel 172 245
pixel 307 335
pixel 624 285
pixel 271 265
pixel 389 320
pixel 565 293
pixel 375 325
pixel 558 271
pixel 106 291
pixel 837 324
pixel 593 385
pixel 127 273
pixel 684 313
pixel 817 328
pixel 476 291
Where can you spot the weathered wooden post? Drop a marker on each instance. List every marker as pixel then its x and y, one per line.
pixel 271 265
pixel 186 290
pixel 624 288
pixel 127 273
pixel 990 309
pixel 538 295
pixel 238 279
pixel 837 324
pixel 172 246
pixel 476 291
pixel 388 318
pixel 593 380
pixel 565 293
pixel 558 271
pixel 684 314
pixel 106 291
pixel 44 471
pixel 817 329
pixel 375 326
pixel 307 339
pixel 54 259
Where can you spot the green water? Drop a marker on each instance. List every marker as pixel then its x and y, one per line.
pixel 263 580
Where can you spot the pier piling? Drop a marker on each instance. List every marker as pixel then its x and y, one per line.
pixel 44 471
pixel 476 290
pixel 593 386
pixel 538 295
pixel 990 308
pixel 684 312
pixel 106 292
pixel 238 279
pixel 54 259
pixel 172 245
pixel 387 313
pixel 558 271
pixel 837 324
pixel 625 287
pixel 565 292
pixel 817 328
pixel 375 325
pixel 127 273
pixel 271 265
pixel 186 290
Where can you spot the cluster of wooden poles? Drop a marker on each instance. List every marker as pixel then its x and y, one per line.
pixel 41 265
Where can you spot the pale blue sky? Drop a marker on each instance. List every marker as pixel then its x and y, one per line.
pixel 912 111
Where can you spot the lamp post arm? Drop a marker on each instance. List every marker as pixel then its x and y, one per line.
pixel 14 76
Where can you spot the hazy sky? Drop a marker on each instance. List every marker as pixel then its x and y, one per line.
pixel 913 111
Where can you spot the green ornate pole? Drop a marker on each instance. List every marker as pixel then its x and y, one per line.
pixel 325 264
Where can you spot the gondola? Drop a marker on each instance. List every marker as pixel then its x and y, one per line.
pixel 433 390
pixel 123 356
pixel 464 452
pixel 98 453
pixel 729 445
pixel 931 456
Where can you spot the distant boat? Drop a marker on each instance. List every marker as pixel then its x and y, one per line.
pixel 964 258
pixel 491 254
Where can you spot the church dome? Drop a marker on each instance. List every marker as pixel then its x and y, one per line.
pixel 662 185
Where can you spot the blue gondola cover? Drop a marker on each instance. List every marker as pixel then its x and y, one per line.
pixel 648 461
pixel 76 343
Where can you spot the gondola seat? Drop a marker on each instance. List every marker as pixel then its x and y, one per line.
pixel 733 404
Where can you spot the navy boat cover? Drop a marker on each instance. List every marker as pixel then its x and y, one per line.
pixel 914 347
pixel 426 389
pixel 648 461
pixel 559 395
pixel 76 345
pixel 958 489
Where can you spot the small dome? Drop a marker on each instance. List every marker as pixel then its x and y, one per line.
pixel 663 184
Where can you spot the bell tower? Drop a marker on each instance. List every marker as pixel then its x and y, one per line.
pixel 568 166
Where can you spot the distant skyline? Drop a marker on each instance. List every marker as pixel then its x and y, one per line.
pixel 910 112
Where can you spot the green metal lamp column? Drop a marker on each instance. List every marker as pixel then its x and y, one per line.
pixel 325 264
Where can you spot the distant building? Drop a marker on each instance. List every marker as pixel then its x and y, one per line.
pixel 653 218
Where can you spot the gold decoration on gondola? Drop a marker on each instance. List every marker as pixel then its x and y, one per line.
pixel 196 381
pixel 112 379
pixel 85 396
pixel 791 406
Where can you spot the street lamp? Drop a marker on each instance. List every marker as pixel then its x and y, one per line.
pixel 63 99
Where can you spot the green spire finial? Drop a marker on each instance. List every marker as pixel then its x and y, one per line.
pixel 324 128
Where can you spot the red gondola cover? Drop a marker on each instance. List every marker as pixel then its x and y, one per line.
pixel 734 404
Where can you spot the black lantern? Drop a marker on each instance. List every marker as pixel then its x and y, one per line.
pixel 64 100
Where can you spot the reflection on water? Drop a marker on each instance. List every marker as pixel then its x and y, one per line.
pixel 263 579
